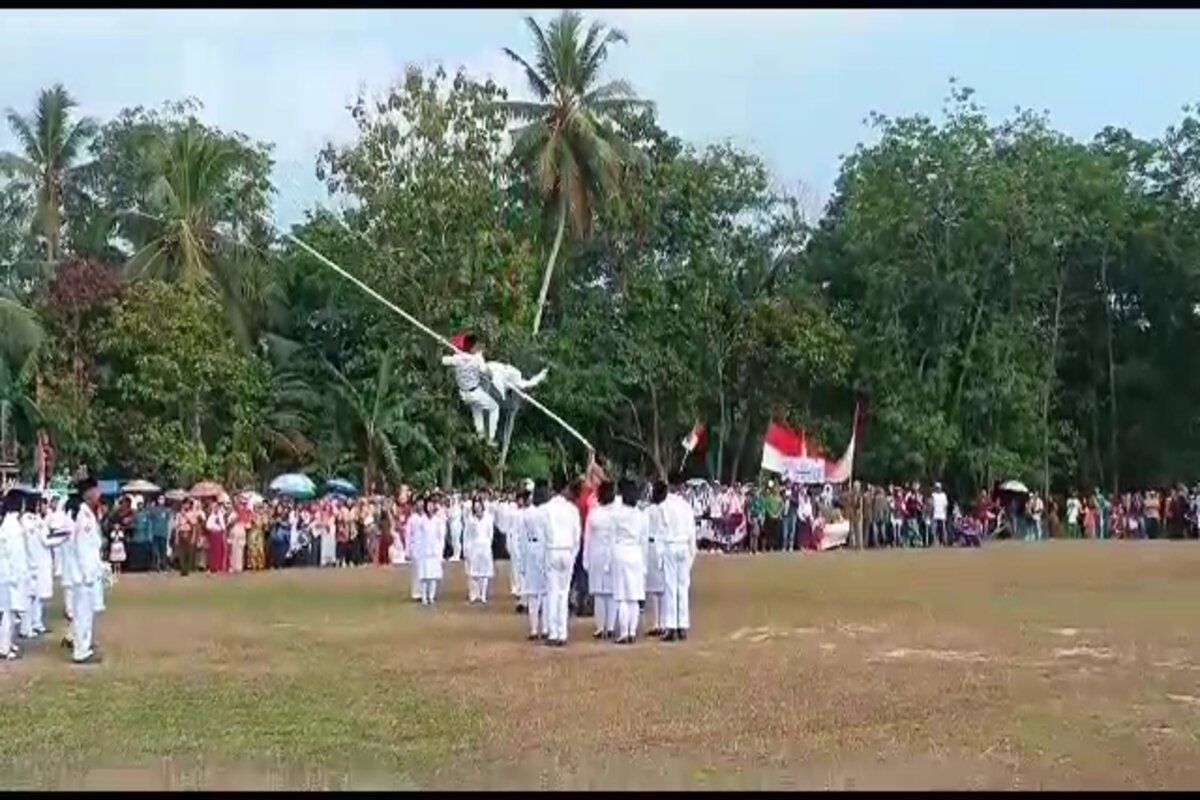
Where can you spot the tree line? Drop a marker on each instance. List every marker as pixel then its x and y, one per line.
pixel 1004 300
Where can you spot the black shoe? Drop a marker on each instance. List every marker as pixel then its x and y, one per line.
pixel 599 635
pixel 533 637
pixel 681 634
pixel 670 636
pixel 543 636
pixel 624 640
pixel 655 632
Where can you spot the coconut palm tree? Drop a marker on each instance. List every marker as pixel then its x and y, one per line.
pixel 188 180
pixel 186 230
pixel 50 145
pixel 569 135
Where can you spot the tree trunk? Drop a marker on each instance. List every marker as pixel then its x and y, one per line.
pixel 558 237
pixel 369 471
pixel 724 421
pixel 448 470
pixel 511 417
pixel 510 420
pixel 1112 381
pixel 1051 358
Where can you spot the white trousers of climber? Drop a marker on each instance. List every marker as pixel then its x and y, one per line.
pixel 485 411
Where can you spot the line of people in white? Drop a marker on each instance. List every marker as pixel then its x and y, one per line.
pixel 633 554
pixel 39 541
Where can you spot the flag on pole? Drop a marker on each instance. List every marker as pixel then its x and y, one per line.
pixel 696 437
pixel 459 340
pixel 791 453
pixel 842 471
pixel 788 452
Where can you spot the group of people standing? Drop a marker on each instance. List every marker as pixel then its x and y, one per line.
pixel 633 553
pixel 40 540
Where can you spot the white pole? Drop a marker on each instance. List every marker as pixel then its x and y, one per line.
pixel 430 332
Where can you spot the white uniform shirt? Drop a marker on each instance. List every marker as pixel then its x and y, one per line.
pixel 468 370
pixel 41 561
pixel 679 527
pixel 562 526
pixel 940 504
pixel 14 564
pixel 87 543
pixel 598 541
pixel 630 529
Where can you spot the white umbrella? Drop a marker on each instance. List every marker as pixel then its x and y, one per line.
pixel 140 487
pixel 1014 486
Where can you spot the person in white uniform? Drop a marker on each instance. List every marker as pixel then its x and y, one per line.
pixel 563 534
pixel 430 545
pixel 469 372
pixel 84 568
pixel 14 569
pixel 514 539
pixel 38 545
pixel 479 529
pixel 677 541
pixel 655 583
pixel 629 560
pixel 454 520
pixel 533 564
pixel 415 529
pixel 598 560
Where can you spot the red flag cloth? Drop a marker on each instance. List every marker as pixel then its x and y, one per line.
pixel 696 437
pixel 459 340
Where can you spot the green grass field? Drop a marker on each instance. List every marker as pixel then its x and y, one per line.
pixel 1064 665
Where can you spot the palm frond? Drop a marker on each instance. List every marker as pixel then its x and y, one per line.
pixel 13 165
pixel 382 379
pixel 23 129
pixel 536 83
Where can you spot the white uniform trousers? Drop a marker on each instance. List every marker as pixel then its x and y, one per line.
pixel 83 613
pixel 484 409
pixel 560 563
pixel 677 574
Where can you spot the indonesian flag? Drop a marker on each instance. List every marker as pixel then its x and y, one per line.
pixel 787 452
pixel 696 437
pixel 790 453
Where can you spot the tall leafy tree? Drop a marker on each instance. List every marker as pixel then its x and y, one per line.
pixel 17 402
pixel 570 138
pixel 46 166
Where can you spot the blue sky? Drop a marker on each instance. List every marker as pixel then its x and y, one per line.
pixel 792 85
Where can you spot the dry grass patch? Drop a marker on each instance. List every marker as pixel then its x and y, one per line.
pixel 1018 666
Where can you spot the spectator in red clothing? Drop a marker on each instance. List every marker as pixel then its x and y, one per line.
pixel 584 491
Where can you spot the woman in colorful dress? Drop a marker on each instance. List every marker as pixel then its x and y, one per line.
pixel 217 544
pixel 256 548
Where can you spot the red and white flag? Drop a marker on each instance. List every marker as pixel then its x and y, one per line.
pixel 788 452
pixel 696 437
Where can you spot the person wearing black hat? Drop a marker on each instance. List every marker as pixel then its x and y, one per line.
pixel 84 568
